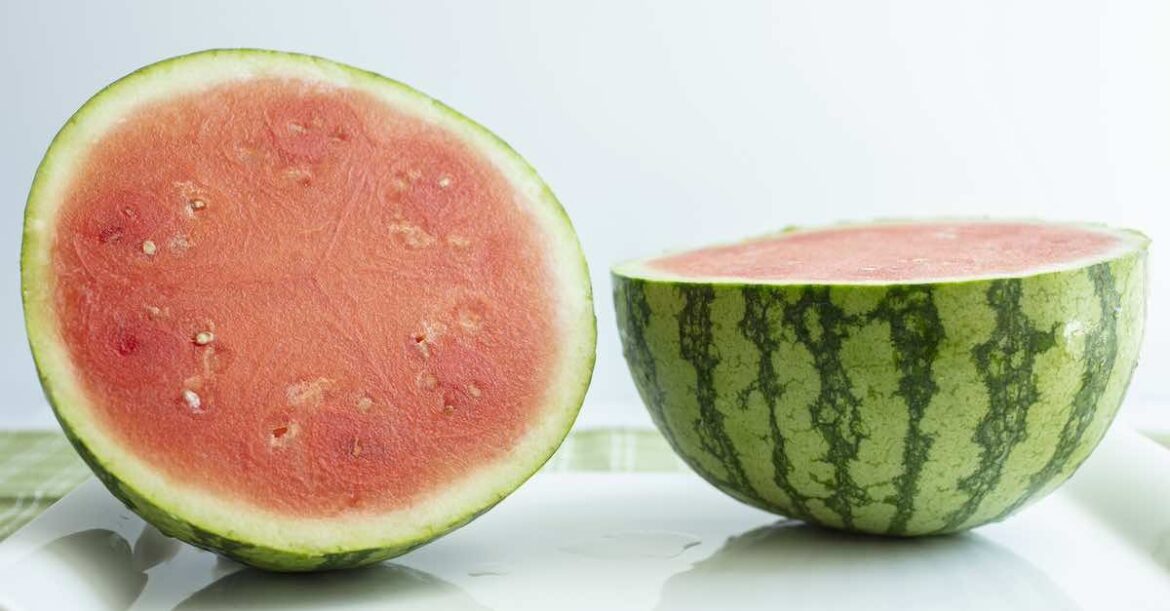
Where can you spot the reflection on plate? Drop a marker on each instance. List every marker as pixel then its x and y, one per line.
pixel 388 586
pixel 790 565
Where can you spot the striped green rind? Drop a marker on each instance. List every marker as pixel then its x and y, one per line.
pixel 907 409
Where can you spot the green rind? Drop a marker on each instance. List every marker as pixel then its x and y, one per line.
pixel 890 409
pixel 214 537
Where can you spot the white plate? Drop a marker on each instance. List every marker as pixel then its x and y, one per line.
pixel 644 541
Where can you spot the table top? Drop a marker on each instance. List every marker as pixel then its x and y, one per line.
pixel 615 522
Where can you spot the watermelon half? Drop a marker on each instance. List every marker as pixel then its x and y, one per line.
pixel 901 378
pixel 298 313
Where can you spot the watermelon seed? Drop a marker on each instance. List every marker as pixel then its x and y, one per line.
pixel 194 403
pixel 281 435
pixel 356 450
pixel 149 248
pixel 444 182
pixel 308 392
pixel 448 409
pixel 427 381
pixel 470 321
pixel 428 336
pixel 458 241
pixel 474 390
pixel 301 176
pixel 413 235
pixel 203 338
pixel 364 403
pixel 180 243
pixel 296 128
pixel 154 312
pixel 420 341
pixel 111 234
pixel 197 204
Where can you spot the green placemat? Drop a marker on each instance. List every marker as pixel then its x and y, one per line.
pixel 39 467
pixel 36 469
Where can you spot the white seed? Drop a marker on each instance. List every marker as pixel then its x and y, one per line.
pixel 413 235
pixel 365 403
pixel 470 321
pixel 194 403
pixel 149 248
pixel 180 243
pixel 427 381
pixel 299 175
pixel 308 393
pixel 444 182
pixel 198 204
pixel 473 390
pixel 203 338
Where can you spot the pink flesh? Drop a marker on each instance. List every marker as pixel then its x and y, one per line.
pixel 896 252
pixel 379 303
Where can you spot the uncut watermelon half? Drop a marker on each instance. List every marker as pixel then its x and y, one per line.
pixel 298 313
pixel 896 378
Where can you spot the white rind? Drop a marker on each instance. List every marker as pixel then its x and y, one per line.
pixel 428 517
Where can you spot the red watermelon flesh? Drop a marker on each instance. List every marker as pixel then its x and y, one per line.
pixel 897 252
pixel 297 297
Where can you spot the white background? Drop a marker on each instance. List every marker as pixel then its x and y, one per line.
pixel 670 124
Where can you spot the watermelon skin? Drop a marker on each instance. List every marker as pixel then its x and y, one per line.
pixel 157 508
pixel 899 409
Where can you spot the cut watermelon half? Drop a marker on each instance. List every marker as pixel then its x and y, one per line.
pixel 298 313
pixel 903 378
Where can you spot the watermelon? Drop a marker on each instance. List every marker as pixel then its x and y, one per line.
pixel 297 313
pixel 902 378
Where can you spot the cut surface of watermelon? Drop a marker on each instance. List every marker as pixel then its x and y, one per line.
pixel 896 252
pixel 303 309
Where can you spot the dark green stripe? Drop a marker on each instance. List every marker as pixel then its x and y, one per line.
pixel 1004 363
pixel 758 304
pixel 634 314
pixel 1099 358
pixel 821 327
pixel 697 346
pixel 916 333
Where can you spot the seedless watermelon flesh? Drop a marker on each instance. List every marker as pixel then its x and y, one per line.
pixel 298 313
pixel 903 378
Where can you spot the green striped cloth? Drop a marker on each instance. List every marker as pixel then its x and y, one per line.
pixel 36 469
pixel 39 467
